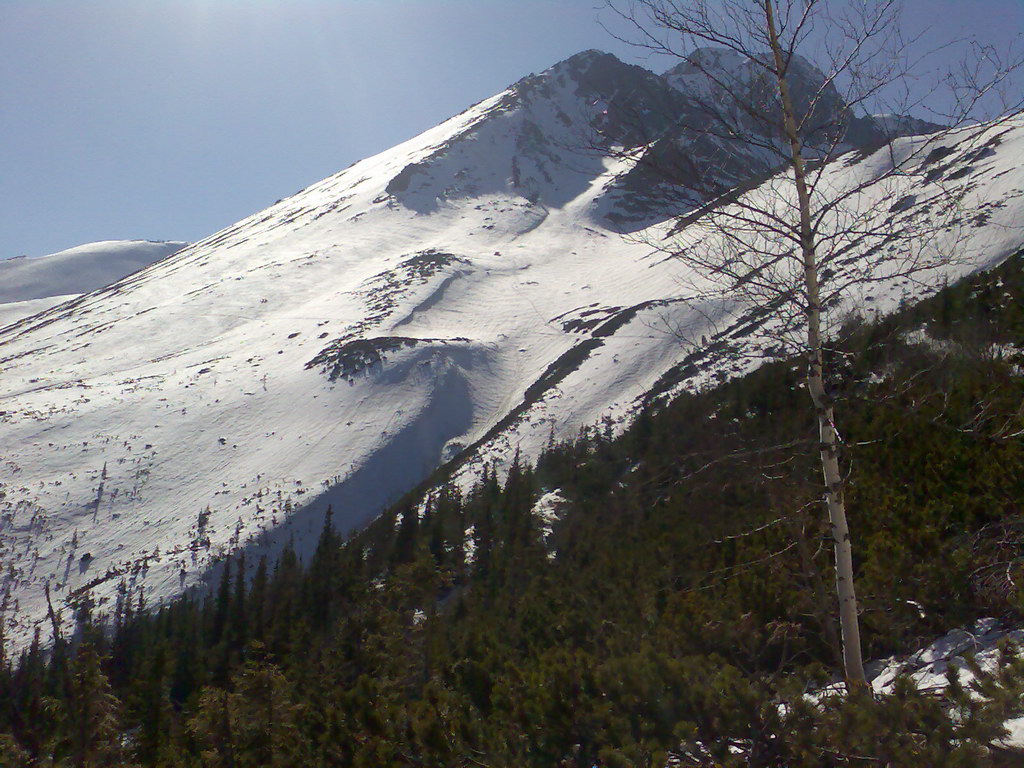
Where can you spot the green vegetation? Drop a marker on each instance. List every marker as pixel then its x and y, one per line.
pixel 682 605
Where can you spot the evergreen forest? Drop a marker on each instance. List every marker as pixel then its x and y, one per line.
pixel 675 606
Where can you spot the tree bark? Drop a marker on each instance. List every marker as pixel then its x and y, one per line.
pixel 834 498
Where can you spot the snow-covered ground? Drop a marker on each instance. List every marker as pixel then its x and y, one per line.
pixel 13 311
pixel 460 295
pixel 929 668
pixel 31 284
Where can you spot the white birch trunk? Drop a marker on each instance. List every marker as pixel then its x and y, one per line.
pixel 848 621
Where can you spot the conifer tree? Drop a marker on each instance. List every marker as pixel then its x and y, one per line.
pixel 11 753
pixel 322 578
pixel 257 601
pixel 151 704
pixel 222 605
pixel 255 726
pixel 87 716
pixel 405 538
pixel 238 620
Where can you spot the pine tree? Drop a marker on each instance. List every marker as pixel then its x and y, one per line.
pixel 405 538
pixel 223 603
pixel 255 726
pixel 87 715
pixel 322 579
pixel 258 600
pixel 11 753
pixel 238 620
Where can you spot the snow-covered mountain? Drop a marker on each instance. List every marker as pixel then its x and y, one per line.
pixel 31 284
pixel 701 138
pixel 723 84
pixel 460 296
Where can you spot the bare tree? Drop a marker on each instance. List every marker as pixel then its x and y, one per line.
pixel 807 242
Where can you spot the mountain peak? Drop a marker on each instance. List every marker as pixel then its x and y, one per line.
pixel 716 60
pixel 453 298
pixel 585 56
pixel 722 82
pixel 705 71
pixel 707 58
pixel 579 67
pixel 534 139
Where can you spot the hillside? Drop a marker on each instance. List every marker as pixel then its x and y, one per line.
pixel 32 284
pixel 656 598
pixel 463 296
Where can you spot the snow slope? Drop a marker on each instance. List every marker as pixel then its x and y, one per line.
pixel 929 668
pixel 13 311
pixel 31 284
pixel 456 297
pixel 670 345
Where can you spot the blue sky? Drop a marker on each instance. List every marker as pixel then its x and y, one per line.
pixel 169 119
